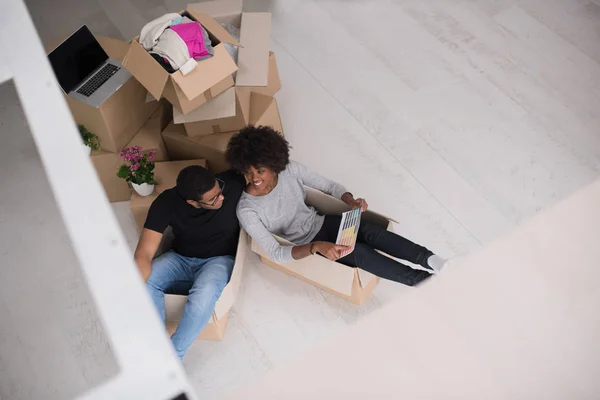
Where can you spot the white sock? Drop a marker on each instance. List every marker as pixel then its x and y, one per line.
pixel 436 263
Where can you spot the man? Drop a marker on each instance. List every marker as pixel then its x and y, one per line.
pixel 201 209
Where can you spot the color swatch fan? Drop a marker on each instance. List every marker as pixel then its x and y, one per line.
pixel 349 230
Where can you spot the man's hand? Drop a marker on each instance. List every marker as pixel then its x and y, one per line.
pixel 330 250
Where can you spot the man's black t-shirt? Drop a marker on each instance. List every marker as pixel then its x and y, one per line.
pixel 200 233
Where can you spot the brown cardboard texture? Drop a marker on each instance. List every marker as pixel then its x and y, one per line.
pixel 209 78
pixel 149 136
pixel 353 284
pixel 215 329
pixel 263 111
pixel 106 165
pixel 165 174
pixel 120 116
pixel 218 115
pixel 255 31
pixel 212 148
pixel 273 82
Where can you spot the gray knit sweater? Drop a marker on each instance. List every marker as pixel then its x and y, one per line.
pixel 283 211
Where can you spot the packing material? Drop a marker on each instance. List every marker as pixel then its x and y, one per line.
pixel 209 78
pixel 353 284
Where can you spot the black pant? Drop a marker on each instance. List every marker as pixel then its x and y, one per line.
pixel 364 256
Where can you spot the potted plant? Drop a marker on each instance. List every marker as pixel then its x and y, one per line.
pixel 138 169
pixel 90 141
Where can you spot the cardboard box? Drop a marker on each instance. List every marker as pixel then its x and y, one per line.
pixel 255 31
pixel 165 174
pixel 106 165
pixel 229 111
pixel 273 81
pixel 209 78
pixel 215 329
pixel 118 118
pixel 353 284
pixel 263 111
pixel 149 136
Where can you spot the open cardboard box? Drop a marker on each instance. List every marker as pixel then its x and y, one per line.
pixel 209 78
pixel 255 31
pixel 215 329
pixel 263 111
pixel 120 116
pixel 229 111
pixel 353 284
pixel 165 174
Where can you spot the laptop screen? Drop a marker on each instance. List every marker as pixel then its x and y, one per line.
pixel 76 58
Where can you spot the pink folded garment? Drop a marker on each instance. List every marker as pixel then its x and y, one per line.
pixel 192 35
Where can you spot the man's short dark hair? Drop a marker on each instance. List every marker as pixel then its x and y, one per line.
pixel 194 181
pixel 258 146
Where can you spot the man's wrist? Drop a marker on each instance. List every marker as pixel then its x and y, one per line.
pixel 313 248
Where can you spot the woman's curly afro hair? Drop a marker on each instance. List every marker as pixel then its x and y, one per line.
pixel 258 146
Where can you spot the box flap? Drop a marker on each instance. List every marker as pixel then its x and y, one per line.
pixel 253 56
pixel 224 11
pixel 206 74
pixel 265 112
pixel 364 277
pixel 230 291
pixel 145 69
pixel 222 106
pixel 213 27
pixel 318 269
pixel 149 98
pixel 217 141
pixel 174 130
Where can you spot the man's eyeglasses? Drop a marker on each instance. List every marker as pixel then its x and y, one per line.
pixel 214 200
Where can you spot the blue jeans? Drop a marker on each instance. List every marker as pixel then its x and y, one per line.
pixel 201 279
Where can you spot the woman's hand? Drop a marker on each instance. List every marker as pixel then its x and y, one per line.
pixel 355 203
pixel 359 203
pixel 330 250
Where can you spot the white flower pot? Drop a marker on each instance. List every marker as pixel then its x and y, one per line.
pixel 87 149
pixel 144 189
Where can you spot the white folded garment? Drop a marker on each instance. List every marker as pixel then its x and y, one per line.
pixel 153 29
pixel 172 47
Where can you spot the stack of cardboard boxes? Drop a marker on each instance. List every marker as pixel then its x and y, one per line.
pixel 189 120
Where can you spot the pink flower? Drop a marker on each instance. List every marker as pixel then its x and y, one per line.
pixel 134 167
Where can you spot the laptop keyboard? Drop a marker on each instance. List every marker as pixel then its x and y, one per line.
pixel 98 80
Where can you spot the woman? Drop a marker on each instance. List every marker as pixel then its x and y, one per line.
pixel 273 203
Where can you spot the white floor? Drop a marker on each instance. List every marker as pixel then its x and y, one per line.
pixel 457 118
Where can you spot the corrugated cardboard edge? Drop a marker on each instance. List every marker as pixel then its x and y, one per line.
pixel 253 57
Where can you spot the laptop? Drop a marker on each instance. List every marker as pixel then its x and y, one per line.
pixel 84 71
